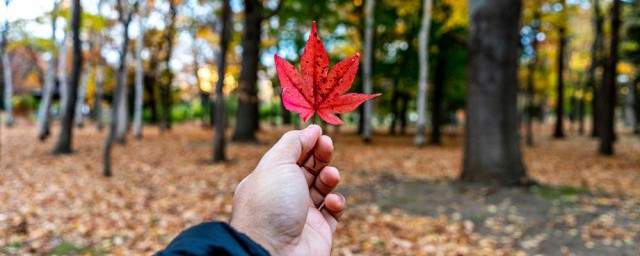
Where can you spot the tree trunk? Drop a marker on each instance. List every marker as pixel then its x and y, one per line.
pixel 6 65
pixel 491 146
pixel 581 109
pixel 44 111
pixel 99 78
pixel 99 82
pixel 438 93
pixel 219 149
pixel 367 129
pixel 117 95
pixel 123 106
pixel 531 69
pixel 423 79
pixel 139 87
pixel 562 41
pixel 596 61
pixel 607 129
pixel 62 74
pixel 79 118
pixel 165 89
pixel 64 145
pixel 247 117
pixel 394 106
pixel 403 113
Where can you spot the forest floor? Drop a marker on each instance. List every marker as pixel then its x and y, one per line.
pixel 402 200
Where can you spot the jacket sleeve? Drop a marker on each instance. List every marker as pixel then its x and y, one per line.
pixel 212 238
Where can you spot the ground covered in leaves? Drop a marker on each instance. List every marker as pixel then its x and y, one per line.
pixel 401 200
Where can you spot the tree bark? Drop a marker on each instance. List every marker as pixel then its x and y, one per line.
pixel 219 149
pixel 139 87
pixel 247 117
pixel 82 88
pixel 367 88
pixel 492 146
pixel 98 94
pixel 6 65
pixel 562 42
pixel 165 89
pixel 394 105
pixel 403 113
pixel 596 61
pixel 531 69
pixel 125 19
pixel 423 78
pixel 438 93
pixel 47 91
pixel 64 144
pixel 123 106
pixel 607 129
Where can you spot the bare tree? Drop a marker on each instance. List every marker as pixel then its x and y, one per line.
pixel 423 80
pixel 50 80
pixel 64 144
pixel 139 89
pixel 219 149
pixel 491 145
pixel 367 130
pixel 99 78
pixel 125 20
pixel 6 65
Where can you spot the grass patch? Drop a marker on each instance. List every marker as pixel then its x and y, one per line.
pixel 565 194
pixel 67 248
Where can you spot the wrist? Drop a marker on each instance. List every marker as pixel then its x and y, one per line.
pixel 255 236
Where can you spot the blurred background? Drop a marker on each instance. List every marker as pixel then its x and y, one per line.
pixel 505 127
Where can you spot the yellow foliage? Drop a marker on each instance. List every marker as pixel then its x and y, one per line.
pixel 459 16
pixel 208 35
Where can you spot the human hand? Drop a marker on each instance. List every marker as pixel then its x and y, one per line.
pixel 277 204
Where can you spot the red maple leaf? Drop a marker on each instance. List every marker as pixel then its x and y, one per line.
pixel 314 91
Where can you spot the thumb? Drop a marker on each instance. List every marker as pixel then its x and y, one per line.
pixel 294 147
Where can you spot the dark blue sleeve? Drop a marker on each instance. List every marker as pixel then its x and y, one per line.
pixel 212 238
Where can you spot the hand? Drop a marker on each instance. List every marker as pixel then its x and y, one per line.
pixel 277 204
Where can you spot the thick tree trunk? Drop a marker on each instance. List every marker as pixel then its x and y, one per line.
pixel 247 117
pixel 64 144
pixel 139 87
pixel 491 146
pixel 438 93
pixel 219 149
pixel 6 65
pixel 44 111
pixel 596 61
pixel 367 129
pixel 423 78
pixel 562 42
pixel 607 129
